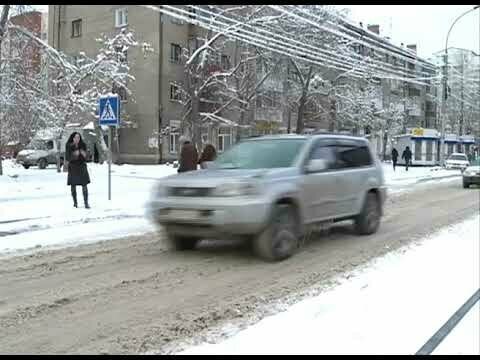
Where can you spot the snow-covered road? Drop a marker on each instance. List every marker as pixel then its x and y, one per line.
pixel 391 306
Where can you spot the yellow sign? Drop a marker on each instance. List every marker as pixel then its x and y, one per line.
pixel 417 132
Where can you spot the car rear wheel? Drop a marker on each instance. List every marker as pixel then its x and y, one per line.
pixel 368 221
pixel 42 163
pixel 280 239
pixel 26 166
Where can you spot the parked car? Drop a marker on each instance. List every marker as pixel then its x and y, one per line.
pixel 47 145
pixel 38 152
pixel 457 161
pixel 471 175
pixel 270 190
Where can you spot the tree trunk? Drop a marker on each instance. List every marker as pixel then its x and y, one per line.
pixel 3 28
pixel 196 128
pixel 289 119
pixel 101 146
pixel 333 116
pixel 384 145
pixel 285 107
pixel 117 145
pixel 301 111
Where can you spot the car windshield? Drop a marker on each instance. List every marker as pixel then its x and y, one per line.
pixel 36 144
pixel 261 154
pixel 458 157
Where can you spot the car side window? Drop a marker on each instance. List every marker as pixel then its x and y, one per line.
pixel 352 156
pixel 326 152
pixel 50 145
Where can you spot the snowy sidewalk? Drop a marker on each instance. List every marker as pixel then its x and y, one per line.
pixel 36 207
pixel 392 306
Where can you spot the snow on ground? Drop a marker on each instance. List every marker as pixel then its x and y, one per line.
pixel 36 207
pixel 465 338
pixel 391 306
pixel 401 180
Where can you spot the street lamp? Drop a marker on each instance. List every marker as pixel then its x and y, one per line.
pixel 445 87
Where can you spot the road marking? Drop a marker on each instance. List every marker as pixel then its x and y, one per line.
pixel 442 333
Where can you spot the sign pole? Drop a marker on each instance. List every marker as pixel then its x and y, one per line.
pixel 109 163
pixel 109 115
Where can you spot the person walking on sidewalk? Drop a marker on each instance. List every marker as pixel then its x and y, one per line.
pixel 188 156
pixel 76 156
pixel 407 155
pixel 209 154
pixel 394 158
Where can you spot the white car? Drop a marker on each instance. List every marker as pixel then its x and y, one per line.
pixel 457 161
pixel 471 175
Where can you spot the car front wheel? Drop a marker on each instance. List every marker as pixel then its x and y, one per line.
pixel 280 238
pixel 466 185
pixel 42 163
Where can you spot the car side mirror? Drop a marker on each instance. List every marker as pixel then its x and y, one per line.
pixel 316 165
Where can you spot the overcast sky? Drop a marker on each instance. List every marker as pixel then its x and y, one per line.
pixel 424 25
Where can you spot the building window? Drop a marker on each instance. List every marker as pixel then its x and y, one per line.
pixel 224 139
pixel 175 94
pixel 175 53
pixel 173 142
pixel 225 62
pixel 193 45
pixel 413 92
pixel 192 11
pixel 121 17
pixel 76 28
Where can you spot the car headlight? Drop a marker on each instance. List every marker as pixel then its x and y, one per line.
pixel 235 189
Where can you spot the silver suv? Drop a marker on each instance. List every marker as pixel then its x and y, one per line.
pixel 271 190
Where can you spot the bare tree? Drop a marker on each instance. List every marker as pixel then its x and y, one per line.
pixel 77 83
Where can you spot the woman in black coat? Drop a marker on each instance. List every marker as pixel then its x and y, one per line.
pixel 76 155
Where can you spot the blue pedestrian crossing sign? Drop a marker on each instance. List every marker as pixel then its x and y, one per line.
pixel 109 110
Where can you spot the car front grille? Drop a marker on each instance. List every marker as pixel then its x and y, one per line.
pixel 188 192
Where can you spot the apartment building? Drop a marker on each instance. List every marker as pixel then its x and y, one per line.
pixel 463 104
pixel 157 111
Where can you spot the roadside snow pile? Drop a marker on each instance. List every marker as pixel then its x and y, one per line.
pixel 401 180
pixel 391 306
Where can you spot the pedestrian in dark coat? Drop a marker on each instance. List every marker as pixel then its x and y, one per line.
pixel 209 154
pixel 407 155
pixel 188 157
pixel 76 156
pixel 394 158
